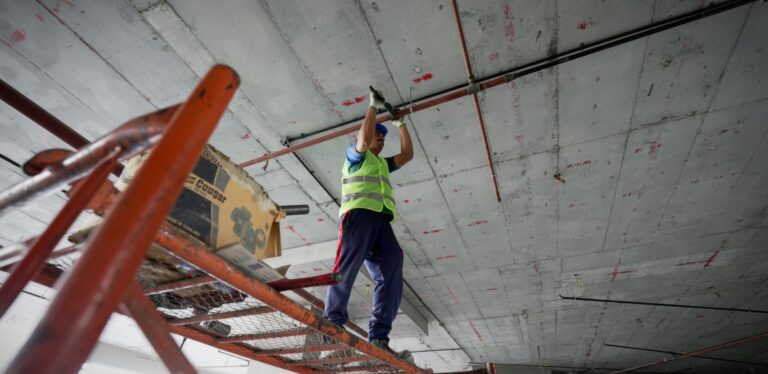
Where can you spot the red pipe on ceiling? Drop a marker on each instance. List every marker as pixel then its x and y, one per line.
pixel 36 113
pixel 471 81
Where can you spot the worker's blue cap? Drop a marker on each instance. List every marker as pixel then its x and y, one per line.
pixel 382 129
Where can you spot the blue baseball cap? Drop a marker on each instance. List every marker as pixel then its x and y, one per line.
pixel 382 129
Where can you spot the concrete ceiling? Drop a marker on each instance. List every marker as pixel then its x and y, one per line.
pixel 662 143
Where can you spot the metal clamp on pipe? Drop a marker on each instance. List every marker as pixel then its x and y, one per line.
pixel 473 88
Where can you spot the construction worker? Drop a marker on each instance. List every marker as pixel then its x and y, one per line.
pixel 365 231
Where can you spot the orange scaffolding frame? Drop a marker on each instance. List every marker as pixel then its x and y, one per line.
pixel 102 280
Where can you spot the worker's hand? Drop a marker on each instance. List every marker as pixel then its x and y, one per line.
pixel 376 103
pixel 399 123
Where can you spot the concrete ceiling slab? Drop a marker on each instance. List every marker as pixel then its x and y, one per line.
pixel 533 124
pixel 659 144
pixel 743 80
pixel 688 63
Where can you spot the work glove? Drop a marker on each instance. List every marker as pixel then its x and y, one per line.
pixel 399 123
pixel 375 102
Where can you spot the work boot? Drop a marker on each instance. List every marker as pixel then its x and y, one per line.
pixel 404 355
pixel 327 340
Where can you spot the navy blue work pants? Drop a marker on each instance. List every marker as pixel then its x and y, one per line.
pixel 366 237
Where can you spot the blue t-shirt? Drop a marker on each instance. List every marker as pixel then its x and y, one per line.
pixel 355 160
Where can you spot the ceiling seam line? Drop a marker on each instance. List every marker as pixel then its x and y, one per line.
pixel 628 132
pixel 302 65
pixel 418 139
pixel 247 98
pixel 712 100
pixel 92 49
pixel 556 148
pixel 60 85
pixel 415 132
pixel 378 47
pixel 299 158
pixel 701 125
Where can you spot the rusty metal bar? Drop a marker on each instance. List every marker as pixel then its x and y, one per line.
pixel 43 245
pixel 68 331
pixel 198 256
pixel 299 283
pixel 319 304
pixel 331 361
pixel 136 305
pixel 180 285
pixel 503 77
pixel 36 113
pixel 48 278
pixel 696 353
pixel 268 335
pixel 280 285
pixel 218 316
pixel 17 252
pixel 476 100
pixel 236 349
pixel 132 137
pixel 304 349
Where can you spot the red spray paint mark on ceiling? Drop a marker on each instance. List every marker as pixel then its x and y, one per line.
pixel 583 25
pixel 493 56
pixel 246 136
pixel 509 28
pixel 39 17
pixel 654 149
pixel 638 149
pixel 711 258
pixel 444 257
pixel 293 230
pixel 18 35
pixel 616 272
pixel 433 231
pixel 353 101
pixel 478 223
pixel 706 262
pixel 423 78
pixel 476 332
pixel 320 220
pixel 581 163
pixel 406 201
pixel 490 289
pixel 597 327
pixel 453 296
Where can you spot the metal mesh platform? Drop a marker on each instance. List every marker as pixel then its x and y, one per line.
pixel 232 317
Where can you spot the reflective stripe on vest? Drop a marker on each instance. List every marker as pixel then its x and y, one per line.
pixel 368 187
pixel 366 195
pixel 366 179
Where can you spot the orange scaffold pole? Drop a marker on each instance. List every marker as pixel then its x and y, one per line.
pixel 90 293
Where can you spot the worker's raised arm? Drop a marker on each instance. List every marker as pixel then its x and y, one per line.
pixel 406 147
pixel 368 130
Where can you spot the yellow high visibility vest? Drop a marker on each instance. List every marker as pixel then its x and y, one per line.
pixel 368 187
